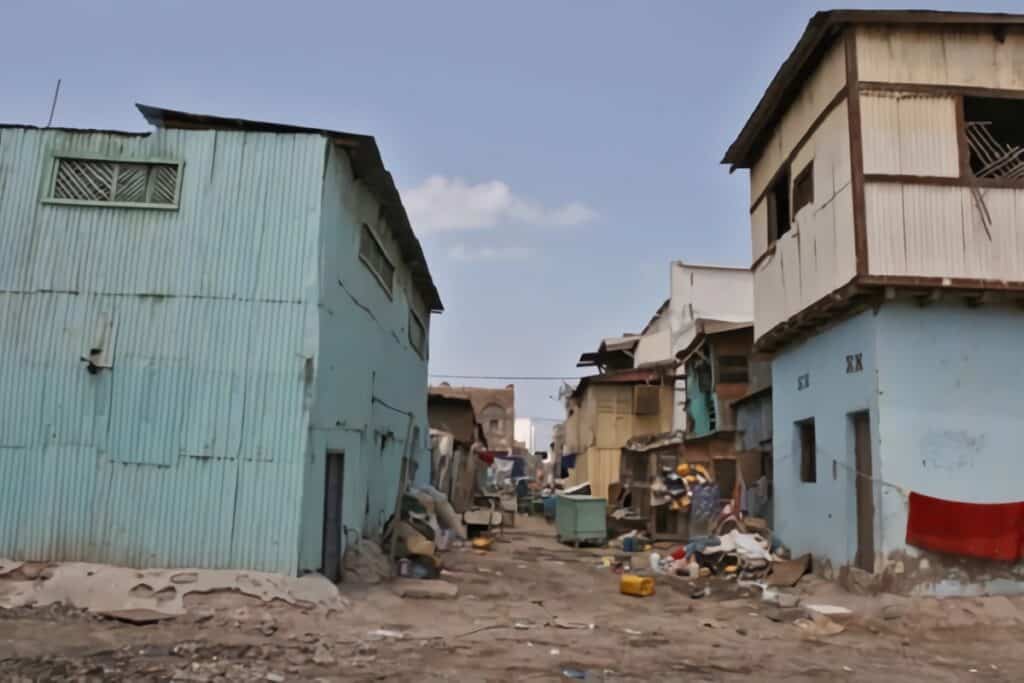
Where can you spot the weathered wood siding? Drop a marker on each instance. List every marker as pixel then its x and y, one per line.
pixel 820 89
pixel 952 56
pixel 817 255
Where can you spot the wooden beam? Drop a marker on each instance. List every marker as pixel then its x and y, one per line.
pixel 860 230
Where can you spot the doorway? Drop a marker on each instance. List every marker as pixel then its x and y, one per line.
pixel 334 480
pixel 865 558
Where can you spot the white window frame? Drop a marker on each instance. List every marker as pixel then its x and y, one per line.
pixel 387 287
pixel 54 161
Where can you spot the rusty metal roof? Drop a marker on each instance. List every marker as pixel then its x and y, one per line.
pixel 821 30
pixel 366 163
pixel 707 327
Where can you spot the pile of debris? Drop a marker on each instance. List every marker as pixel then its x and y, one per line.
pixel 746 556
pixel 427 524
pixel 688 487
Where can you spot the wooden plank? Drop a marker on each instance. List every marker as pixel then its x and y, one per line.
pixel 856 152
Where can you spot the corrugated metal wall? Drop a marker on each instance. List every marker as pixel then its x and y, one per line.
pixel 924 230
pixel 190 450
pixel 369 380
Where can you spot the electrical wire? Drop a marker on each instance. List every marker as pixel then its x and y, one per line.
pixel 503 378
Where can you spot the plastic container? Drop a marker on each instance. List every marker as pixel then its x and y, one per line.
pixel 640 586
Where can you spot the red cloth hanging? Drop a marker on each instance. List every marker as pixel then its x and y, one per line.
pixel 990 531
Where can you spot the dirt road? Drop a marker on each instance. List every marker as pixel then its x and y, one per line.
pixel 529 610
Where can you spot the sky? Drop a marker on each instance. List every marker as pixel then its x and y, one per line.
pixel 554 155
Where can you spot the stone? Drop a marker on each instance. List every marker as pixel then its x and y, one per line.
pixel 892 612
pixel 323 656
pixel 425 589
pixel 787 600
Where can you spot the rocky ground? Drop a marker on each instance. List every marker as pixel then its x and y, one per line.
pixel 529 610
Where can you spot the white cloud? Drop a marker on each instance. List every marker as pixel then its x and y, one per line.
pixel 442 204
pixel 462 252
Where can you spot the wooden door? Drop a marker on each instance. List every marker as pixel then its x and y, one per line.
pixel 865 558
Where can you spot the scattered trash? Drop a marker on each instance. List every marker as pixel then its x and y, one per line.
pixel 819 626
pixel 573 625
pixel 833 611
pixel 789 572
pixel 483 542
pixel 639 586
pixel 633 632
pixel 700 593
pixel 848 669
pixel 386 633
pixel 555 652
pixel 574 674
pixel 519 626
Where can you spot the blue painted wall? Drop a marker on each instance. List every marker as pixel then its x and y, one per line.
pixel 820 517
pixel 190 450
pixel 943 387
pixel 951 405
pixel 369 378
pixel 239 358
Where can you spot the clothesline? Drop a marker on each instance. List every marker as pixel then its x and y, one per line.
pixel 902 490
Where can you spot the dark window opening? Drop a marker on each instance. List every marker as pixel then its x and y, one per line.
pixel 376 260
pixel 808 452
pixel 803 189
pixel 778 207
pixel 733 370
pixel 995 136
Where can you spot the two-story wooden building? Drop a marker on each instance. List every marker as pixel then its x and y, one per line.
pixel 886 165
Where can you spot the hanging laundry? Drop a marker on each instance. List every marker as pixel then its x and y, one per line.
pixel 990 531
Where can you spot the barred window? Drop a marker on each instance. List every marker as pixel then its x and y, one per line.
pixel 372 254
pixel 115 183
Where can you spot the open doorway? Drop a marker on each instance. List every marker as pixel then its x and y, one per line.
pixel 334 480
pixel 864 490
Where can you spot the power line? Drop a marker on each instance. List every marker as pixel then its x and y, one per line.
pixel 502 378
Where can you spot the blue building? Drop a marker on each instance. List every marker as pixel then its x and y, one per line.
pixel 886 188
pixel 216 341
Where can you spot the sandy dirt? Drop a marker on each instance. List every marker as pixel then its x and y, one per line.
pixel 529 610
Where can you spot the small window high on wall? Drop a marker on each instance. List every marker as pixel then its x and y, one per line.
pixel 778 207
pixel 803 189
pixel 376 259
pixel 995 136
pixel 109 182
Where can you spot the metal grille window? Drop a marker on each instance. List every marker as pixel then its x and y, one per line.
pixel 104 182
pixel 372 254
pixel 417 335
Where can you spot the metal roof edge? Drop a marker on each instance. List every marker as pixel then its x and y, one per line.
pixel 366 161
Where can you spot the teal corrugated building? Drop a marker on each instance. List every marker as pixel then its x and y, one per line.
pixel 215 340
